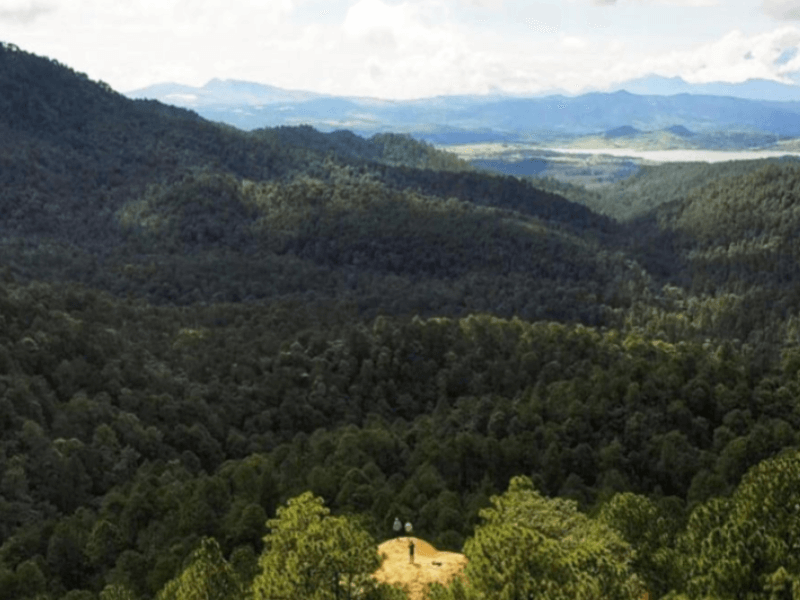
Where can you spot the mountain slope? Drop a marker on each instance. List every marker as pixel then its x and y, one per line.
pixel 741 226
pixel 150 201
pixel 158 203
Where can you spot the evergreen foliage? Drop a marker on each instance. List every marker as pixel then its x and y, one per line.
pixel 651 530
pixel 653 186
pixel 209 338
pixel 529 546
pixel 208 576
pixel 310 554
pixel 747 547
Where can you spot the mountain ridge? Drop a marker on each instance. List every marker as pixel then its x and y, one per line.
pixel 495 117
pixel 751 89
pixel 139 187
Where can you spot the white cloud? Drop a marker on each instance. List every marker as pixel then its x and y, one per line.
pixel 23 11
pixel 429 59
pixel 688 3
pixel 542 17
pixel 541 26
pixel 597 22
pixel 139 42
pixel 735 57
pixel 573 43
pixel 369 16
pixel 786 10
pixel 404 50
pixel 482 3
pixel 397 48
pixel 411 26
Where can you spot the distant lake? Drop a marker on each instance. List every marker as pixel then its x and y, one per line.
pixel 710 156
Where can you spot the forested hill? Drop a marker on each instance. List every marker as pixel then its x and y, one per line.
pixel 72 143
pixel 198 324
pixel 139 199
pixel 738 238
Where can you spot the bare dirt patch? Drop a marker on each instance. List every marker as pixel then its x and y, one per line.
pixel 430 565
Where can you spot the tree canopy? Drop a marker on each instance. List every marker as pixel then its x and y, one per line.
pixel 310 554
pixel 528 546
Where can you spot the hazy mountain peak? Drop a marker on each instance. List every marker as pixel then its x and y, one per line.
pixel 623 131
pixel 679 130
pixel 216 83
pixel 752 89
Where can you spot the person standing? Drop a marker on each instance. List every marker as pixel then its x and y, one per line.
pixel 397 526
pixel 411 551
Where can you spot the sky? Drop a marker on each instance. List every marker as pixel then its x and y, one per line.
pixel 403 49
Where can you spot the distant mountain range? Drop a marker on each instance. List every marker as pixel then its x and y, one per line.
pixel 709 109
pixel 752 89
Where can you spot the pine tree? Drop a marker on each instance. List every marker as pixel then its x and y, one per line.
pixel 748 546
pixel 531 547
pixel 312 555
pixel 207 577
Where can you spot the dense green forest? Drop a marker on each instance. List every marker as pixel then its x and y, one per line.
pixel 229 360
pixel 652 186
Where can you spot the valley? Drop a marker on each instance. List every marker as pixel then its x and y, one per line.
pixel 589 163
pixel 231 358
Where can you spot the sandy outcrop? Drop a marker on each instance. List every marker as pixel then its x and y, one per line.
pixel 430 565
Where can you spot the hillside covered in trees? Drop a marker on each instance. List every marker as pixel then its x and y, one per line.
pixel 211 340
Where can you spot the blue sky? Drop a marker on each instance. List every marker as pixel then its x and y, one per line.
pixel 411 48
